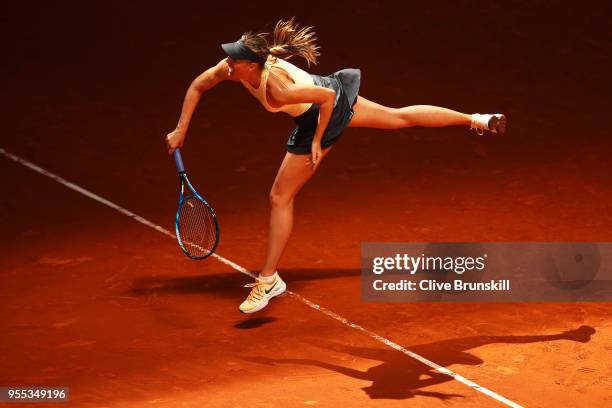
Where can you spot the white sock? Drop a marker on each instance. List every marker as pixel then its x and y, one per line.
pixel 480 121
pixel 267 279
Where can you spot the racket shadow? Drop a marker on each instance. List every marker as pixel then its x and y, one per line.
pixel 229 284
pixel 223 285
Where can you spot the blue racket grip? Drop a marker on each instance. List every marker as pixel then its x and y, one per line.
pixel 179 161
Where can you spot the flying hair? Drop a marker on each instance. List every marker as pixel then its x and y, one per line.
pixel 288 40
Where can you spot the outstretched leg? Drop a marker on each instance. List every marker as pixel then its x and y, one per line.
pixel 373 115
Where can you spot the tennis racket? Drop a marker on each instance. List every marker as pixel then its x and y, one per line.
pixel 197 228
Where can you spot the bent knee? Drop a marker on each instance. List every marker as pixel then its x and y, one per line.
pixel 279 199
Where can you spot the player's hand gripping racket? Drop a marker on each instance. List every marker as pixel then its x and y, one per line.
pixel 197 229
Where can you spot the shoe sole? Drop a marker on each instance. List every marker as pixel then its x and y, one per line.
pixel 497 124
pixel 277 291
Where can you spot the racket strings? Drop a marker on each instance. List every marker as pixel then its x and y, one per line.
pixel 197 227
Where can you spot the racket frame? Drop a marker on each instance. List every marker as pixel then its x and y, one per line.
pixel 185 182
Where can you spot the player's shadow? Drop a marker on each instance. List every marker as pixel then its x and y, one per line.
pixel 402 377
pixel 229 284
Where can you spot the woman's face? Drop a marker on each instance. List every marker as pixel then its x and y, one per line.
pixel 240 69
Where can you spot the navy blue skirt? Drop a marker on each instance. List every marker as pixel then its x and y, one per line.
pixel 346 84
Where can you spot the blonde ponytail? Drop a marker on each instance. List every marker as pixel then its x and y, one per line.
pixel 289 40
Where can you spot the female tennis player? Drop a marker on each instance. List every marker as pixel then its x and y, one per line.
pixel 322 107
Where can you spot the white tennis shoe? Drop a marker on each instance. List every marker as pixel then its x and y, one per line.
pixel 495 123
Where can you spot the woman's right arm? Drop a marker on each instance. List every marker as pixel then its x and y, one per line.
pixel 201 84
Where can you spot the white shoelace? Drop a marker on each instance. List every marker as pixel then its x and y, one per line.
pixel 474 123
pixel 258 291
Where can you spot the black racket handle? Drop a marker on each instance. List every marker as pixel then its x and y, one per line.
pixel 179 161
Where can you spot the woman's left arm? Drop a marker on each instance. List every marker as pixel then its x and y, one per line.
pixel 286 94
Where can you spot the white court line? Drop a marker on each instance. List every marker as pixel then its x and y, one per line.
pixel 239 268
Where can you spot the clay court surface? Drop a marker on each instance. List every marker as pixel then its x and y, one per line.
pixel 93 300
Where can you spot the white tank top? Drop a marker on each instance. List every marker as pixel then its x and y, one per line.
pixel 298 76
